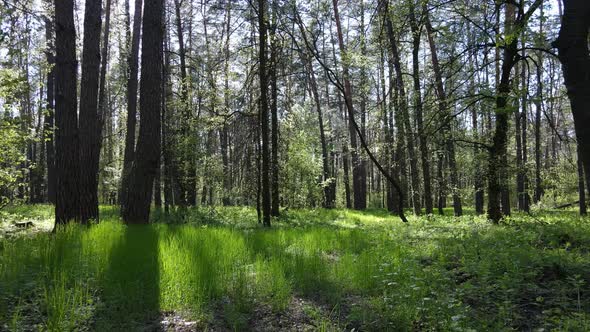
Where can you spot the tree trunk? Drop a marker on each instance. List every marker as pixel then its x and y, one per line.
pixel 424 155
pixel 132 81
pixel 444 113
pixel 274 59
pixel 403 107
pixel 572 44
pixel 521 142
pixel 67 162
pixel 48 121
pixel 581 186
pixel 89 121
pixel 223 133
pixel 497 158
pixel 329 183
pixel 103 112
pixel 357 188
pixel 538 110
pixel 262 72
pixel 363 88
pixel 348 99
pixel 147 154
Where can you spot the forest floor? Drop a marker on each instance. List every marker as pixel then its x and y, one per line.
pixel 327 270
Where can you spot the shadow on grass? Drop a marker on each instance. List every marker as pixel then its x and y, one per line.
pixel 131 287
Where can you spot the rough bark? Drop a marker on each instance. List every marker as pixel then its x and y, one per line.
pixel 132 82
pixel 572 45
pixel 263 76
pixel 88 122
pixel 147 154
pixel 67 162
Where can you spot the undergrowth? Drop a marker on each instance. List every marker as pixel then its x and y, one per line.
pixel 362 270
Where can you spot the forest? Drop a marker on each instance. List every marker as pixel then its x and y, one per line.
pixel 284 165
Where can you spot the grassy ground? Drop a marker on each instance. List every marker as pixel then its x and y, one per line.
pixel 216 269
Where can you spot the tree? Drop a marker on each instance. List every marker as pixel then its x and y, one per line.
pixel 67 162
pixel 48 121
pixel 497 157
pixel 424 155
pixel 147 154
pixel 444 113
pixel 89 121
pixel 274 135
pixel 132 81
pixel 357 176
pixel 263 76
pixel 403 107
pixel 572 44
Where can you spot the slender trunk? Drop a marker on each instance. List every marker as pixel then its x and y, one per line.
pixel 103 112
pixel 274 60
pixel 132 82
pixel 348 100
pixel 266 171
pixel 345 161
pixel 356 171
pixel 48 121
pixel 424 155
pixel 526 199
pixel 581 186
pixel 538 109
pixel 444 113
pixel 329 183
pixel 362 166
pixel 166 118
pixel 223 133
pixel 403 107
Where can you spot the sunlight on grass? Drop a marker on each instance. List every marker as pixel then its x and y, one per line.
pixel 377 273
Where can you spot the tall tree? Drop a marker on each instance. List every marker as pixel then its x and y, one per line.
pixel 359 201
pixel 498 150
pixel 132 82
pixel 274 135
pixel 263 76
pixel 48 121
pixel 572 44
pixel 67 162
pixel 447 118
pixel 424 155
pixel 104 113
pixel 89 122
pixel 147 154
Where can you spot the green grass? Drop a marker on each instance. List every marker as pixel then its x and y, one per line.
pixel 350 269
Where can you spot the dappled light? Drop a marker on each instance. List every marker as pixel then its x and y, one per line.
pixel 347 269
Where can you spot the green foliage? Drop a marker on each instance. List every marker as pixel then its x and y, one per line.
pixel 347 268
pixel 302 166
pixel 12 145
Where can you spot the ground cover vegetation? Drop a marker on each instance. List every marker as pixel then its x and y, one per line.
pixel 329 270
pixel 284 165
